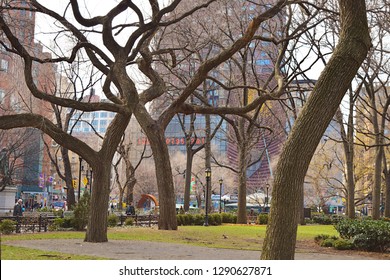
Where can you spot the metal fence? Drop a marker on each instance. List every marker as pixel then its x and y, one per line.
pixel 39 222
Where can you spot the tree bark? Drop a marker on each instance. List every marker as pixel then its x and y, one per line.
pixel 347 138
pixel 166 192
pixel 376 188
pixel 70 197
pixel 242 178
pixel 188 174
pixel 315 117
pixel 97 223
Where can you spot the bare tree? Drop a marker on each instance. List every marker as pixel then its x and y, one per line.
pixel 315 117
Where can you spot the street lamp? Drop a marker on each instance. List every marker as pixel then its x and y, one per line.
pixel 266 198
pixel 208 177
pixel 220 195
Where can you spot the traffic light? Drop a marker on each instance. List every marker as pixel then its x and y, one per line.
pixel 74 183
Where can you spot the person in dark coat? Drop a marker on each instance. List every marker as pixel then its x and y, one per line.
pixel 18 208
pixel 130 210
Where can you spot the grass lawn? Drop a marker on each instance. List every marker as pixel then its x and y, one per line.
pixel 244 237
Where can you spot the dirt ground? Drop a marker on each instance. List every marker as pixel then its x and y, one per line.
pixel 145 250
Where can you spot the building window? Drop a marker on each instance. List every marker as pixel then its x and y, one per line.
pixel 263 62
pixel 4 65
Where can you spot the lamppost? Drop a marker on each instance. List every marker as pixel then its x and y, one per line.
pixel 208 177
pixel 266 197
pixel 220 195
pixel 80 167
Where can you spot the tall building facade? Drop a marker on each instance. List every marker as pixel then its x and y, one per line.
pixel 26 149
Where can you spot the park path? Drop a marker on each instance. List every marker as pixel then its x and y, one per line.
pixel 148 250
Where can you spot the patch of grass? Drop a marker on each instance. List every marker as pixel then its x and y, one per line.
pixel 18 253
pixel 229 236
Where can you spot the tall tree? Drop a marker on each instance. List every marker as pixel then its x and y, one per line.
pixel 353 46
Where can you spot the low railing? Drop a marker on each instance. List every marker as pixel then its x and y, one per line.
pixel 40 222
pixel 140 220
pixel 33 223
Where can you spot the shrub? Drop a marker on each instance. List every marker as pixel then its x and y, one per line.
pixel 262 219
pixel 180 219
pixel 228 218
pixel 215 220
pixel 198 219
pixel 322 219
pixel 327 242
pixel 343 244
pixel 7 226
pixel 210 219
pixel 321 237
pixel 112 220
pixel 367 234
pixel 188 219
pixel 129 221
pixel 82 211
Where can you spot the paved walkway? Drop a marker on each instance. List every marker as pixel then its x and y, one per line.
pixel 146 250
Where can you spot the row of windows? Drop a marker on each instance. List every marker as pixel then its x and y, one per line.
pixel 81 126
pixel 94 115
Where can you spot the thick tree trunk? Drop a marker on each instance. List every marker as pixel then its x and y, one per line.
pixel 315 117
pixel 166 191
pixel 101 166
pixel 97 223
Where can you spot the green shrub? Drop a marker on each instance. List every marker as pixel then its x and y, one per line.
pixel 82 212
pixel 343 244
pixel 188 219
pixel 262 219
pixel 112 220
pixel 367 234
pixel 180 219
pixel 229 218
pixel 129 221
pixel 7 226
pixel 322 219
pixel 321 237
pixel 210 220
pixel 216 219
pixel 327 242
pixel 198 219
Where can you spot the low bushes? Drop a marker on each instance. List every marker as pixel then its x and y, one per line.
pixel 7 226
pixel 112 220
pixel 129 222
pixel 229 218
pixel 214 219
pixel 323 219
pixel 262 219
pixel 367 234
pixel 62 224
